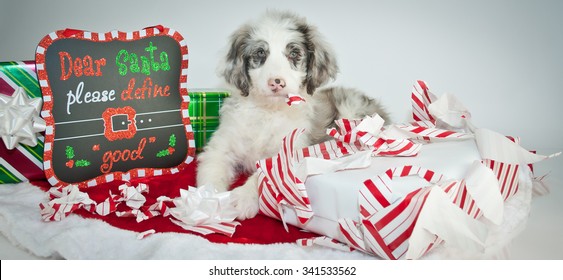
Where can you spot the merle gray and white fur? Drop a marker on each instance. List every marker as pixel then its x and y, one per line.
pixel 277 55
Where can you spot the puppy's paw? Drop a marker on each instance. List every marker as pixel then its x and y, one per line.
pixel 245 201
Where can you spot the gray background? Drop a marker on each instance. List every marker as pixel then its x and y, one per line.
pixel 503 59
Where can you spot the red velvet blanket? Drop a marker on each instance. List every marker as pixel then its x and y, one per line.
pixel 259 230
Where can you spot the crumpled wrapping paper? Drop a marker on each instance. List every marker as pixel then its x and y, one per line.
pixel 20 122
pixel 393 225
pixel 406 219
pixel 200 210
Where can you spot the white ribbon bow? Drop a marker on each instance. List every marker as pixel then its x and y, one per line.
pixel 202 206
pixel 19 119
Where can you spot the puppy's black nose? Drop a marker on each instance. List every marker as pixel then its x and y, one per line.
pixel 277 81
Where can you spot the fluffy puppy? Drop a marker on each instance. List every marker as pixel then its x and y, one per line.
pixel 277 55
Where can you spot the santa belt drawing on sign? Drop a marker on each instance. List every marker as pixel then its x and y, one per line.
pixel 117 124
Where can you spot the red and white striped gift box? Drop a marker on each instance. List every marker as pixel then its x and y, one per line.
pixel 24 163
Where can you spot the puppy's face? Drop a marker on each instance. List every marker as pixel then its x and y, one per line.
pixel 278 55
pixel 277 61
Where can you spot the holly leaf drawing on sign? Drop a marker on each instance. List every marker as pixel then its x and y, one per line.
pixel 82 163
pixel 69 151
pixel 170 150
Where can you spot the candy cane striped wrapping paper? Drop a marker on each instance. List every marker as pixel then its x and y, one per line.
pixel 421 98
pixel 280 184
pixel 199 210
pixel 463 150
pixel 393 140
pixel 281 177
pixel 368 133
pixel 390 219
pixel 294 99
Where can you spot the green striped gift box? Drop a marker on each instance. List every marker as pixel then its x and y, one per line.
pixel 204 113
pixel 24 163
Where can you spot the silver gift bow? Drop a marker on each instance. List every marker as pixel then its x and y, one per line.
pixel 19 119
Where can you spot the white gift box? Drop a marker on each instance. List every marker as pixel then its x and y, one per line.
pixel 334 196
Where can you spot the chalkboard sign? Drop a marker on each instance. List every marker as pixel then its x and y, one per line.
pixel 116 105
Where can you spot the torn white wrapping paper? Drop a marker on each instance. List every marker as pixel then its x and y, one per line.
pixel 449 110
pixel 483 186
pixel 495 146
pixel 440 217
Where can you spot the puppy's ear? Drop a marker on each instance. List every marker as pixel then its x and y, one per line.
pixel 235 69
pixel 321 63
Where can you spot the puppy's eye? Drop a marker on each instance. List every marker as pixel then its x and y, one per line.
pixel 294 54
pixel 261 53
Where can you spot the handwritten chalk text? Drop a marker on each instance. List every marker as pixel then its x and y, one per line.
pixel 139 63
pixel 147 91
pixel 111 157
pixel 89 97
pixel 80 66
